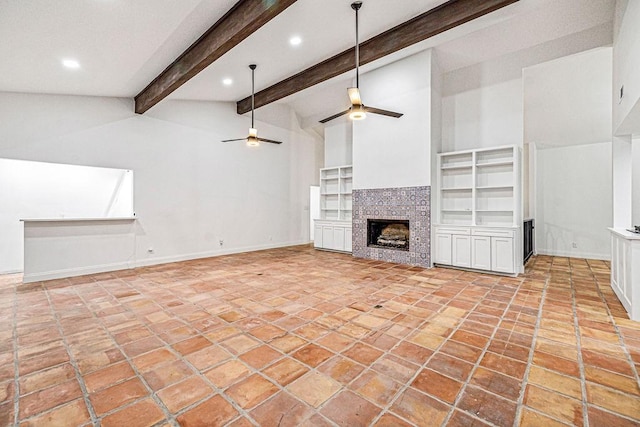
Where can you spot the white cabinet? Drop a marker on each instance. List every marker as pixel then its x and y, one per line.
pixel 333 231
pixel 443 249
pixel 502 254
pixel 461 250
pixel 625 270
pixel 347 239
pixel 317 236
pixel 333 235
pixel 478 210
pixel 479 248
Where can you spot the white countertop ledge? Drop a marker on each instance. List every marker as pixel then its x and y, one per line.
pixel 126 218
pixel 625 233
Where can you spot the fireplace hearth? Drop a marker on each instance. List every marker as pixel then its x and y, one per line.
pixel 388 234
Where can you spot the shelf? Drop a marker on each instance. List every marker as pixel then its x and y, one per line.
pixel 495 187
pixel 495 163
pixel 460 166
pixel 336 192
pixel 479 187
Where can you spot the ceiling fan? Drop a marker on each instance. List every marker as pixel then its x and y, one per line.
pixel 252 139
pixel 358 111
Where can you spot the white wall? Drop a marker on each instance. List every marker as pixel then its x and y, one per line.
pixel 574 201
pixel 483 104
pixel 191 190
pixel 338 143
pixel 389 152
pixel 635 185
pixel 626 68
pixel 46 190
pixel 568 100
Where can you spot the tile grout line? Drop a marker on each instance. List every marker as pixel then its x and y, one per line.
pixel 477 364
pixel 525 379
pixel 93 315
pixel 578 336
pixel 408 383
pixel 612 318
pixel 16 364
pixel 241 411
pixel 72 361
pixel 168 416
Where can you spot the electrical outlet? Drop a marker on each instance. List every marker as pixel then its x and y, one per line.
pixel 574 245
pixel 221 241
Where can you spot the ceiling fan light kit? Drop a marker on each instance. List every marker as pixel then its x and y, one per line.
pixel 358 111
pixel 253 140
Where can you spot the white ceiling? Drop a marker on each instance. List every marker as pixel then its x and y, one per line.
pixel 122 44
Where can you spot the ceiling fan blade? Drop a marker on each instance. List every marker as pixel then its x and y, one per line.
pixel 269 140
pixel 383 112
pixel 234 140
pixel 354 96
pixel 335 116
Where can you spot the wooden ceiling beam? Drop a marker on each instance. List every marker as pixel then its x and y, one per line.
pixel 242 20
pixel 435 21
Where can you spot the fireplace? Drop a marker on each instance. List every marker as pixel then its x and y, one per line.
pixel 409 206
pixel 388 234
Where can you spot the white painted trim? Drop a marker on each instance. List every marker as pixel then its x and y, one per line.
pixel 73 272
pixel 211 254
pixel 81 271
pixel 586 255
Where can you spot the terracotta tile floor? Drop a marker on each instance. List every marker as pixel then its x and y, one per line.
pixel 298 337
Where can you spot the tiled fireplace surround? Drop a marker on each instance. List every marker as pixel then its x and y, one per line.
pixel 406 203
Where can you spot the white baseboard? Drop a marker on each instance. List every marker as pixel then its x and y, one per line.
pixel 10 272
pixel 73 272
pixel 573 254
pixel 209 254
pixel 93 269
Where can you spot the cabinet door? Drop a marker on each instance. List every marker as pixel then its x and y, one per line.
pixel 461 252
pixel 443 249
pixel 347 239
pixel 481 252
pixel 317 236
pixel 338 238
pixel 502 254
pixel 327 237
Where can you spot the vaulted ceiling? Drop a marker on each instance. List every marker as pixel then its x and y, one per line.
pixel 123 45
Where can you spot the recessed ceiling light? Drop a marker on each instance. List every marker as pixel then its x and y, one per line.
pixel 71 63
pixel 227 82
pixel 295 41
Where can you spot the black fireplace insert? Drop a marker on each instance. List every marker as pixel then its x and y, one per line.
pixel 388 234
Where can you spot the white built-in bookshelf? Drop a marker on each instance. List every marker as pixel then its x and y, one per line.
pixel 335 192
pixel 478 205
pixel 479 187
